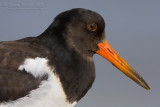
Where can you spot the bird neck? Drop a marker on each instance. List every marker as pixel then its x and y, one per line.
pixel 76 71
pixel 76 75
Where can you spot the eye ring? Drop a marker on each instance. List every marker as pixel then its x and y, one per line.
pixel 92 27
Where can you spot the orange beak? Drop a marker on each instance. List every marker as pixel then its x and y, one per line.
pixel 106 51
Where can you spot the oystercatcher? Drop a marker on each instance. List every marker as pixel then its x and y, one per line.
pixel 56 68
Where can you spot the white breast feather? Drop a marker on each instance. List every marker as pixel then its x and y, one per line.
pixel 49 94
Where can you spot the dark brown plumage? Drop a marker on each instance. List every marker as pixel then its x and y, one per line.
pixel 14 83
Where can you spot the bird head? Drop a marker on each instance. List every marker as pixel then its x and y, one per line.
pixel 84 32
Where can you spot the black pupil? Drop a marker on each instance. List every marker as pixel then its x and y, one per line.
pixel 92 26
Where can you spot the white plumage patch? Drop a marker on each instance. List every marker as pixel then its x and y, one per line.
pixel 49 94
pixel 37 67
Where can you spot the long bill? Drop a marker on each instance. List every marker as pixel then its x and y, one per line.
pixel 106 51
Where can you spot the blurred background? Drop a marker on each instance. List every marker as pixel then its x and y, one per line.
pixel 132 28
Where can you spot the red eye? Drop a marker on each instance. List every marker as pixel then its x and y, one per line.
pixel 92 27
